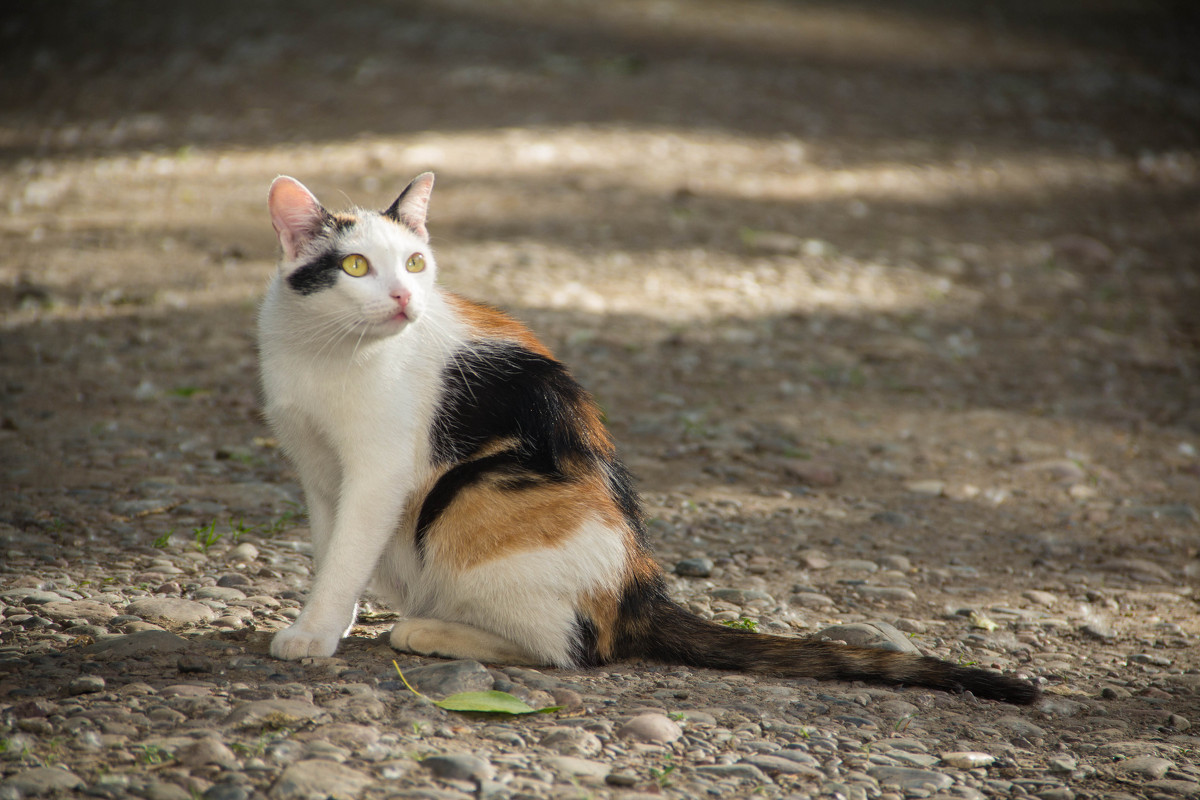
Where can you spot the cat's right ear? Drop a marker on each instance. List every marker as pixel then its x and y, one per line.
pixel 295 213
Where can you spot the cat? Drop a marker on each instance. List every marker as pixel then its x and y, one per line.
pixel 455 469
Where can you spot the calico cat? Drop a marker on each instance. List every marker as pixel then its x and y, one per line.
pixel 454 468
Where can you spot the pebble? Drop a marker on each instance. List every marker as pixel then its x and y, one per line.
pixel 570 767
pixel 1147 767
pixel 451 677
pixel 207 751
pixel 40 781
pixel 171 611
pixel 275 713
pixel 572 742
pixel 910 779
pixel 740 596
pixel 243 553
pixel 694 567
pixel 870 634
pixel 774 764
pixel 313 778
pixel 968 759
pixel 85 684
pixel 460 767
pixel 93 612
pixel 742 772
pixel 927 488
pixel 651 727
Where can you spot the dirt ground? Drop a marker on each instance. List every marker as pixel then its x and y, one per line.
pixel 850 280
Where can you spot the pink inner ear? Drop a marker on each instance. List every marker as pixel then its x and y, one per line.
pixel 295 214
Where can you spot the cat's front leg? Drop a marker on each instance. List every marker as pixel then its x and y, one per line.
pixel 365 522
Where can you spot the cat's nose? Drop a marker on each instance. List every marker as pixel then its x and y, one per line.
pixel 401 297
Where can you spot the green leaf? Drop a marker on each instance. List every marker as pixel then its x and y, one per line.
pixel 490 702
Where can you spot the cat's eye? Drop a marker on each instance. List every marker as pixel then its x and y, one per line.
pixel 416 263
pixel 355 265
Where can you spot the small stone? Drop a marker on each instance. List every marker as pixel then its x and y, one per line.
pixel 892 518
pixel 624 779
pixel 137 644
pixel 206 751
pixel 1097 629
pixel 911 625
pixel 173 612
pixel 570 767
pixel 191 663
pixel 887 593
pixel 907 778
pixel 1056 793
pixel 745 772
pixel 1173 788
pixel 1062 764
pixel 773 765
pixel 1150 658
pixel 242 553
pixel 451 677
pixel 222 594
pixel 651 727
pixel 928 488
pixel 870 634
pixel 810 600
pixel 694 567
pixel 311 778
pixel 740 596
pixel 1019 726
pixel 225 791
pixel 1138 569
pixel 1149 768
pixel 1040 597
pixel 343 734
pixel 276 713
pixel 895 561
pixel 813 559
pixel 459 767
pixel 1062 470
pixel 89 610
pixel 1179 723
pixel 42 781
pixel 572 742
pixel 810 473
pixel 86 684
pixel 569 699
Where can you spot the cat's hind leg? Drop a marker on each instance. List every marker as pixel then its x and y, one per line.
pixel 433 637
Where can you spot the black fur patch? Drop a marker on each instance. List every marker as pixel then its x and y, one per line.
pixel 320 273
pixel 503 391
pixel 584 648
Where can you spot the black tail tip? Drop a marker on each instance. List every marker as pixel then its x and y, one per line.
pixel 993 686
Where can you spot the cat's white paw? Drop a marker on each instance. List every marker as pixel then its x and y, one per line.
pixel 298 642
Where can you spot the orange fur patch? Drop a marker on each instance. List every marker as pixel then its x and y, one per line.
pixel 492 323
pixel 488 521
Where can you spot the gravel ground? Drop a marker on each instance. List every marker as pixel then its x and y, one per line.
pixel 915 287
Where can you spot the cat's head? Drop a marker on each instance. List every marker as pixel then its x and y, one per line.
pixel 367 273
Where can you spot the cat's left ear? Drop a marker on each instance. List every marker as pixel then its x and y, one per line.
pixel 412 206
pixel 295 213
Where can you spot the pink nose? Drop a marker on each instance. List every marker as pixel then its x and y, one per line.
pixel 401 297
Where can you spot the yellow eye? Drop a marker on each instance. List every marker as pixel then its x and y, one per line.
pixel 355 265
pixel 416 263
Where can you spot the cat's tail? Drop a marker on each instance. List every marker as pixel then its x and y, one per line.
pixel 662 631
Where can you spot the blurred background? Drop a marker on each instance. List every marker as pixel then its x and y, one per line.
pixel 855 257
